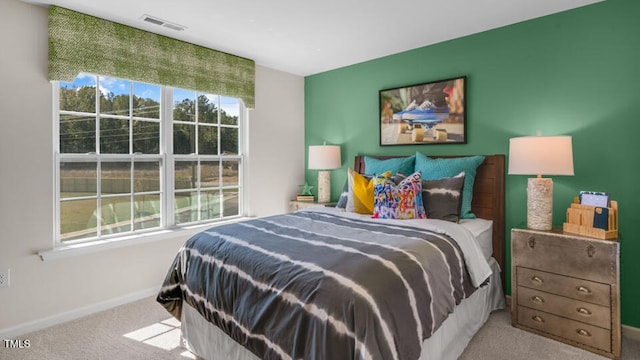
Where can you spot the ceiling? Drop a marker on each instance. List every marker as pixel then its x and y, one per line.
pixel 305 37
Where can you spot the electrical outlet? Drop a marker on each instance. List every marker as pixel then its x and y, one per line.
pixel 4 278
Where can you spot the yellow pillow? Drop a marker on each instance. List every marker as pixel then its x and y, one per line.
pixel 362 190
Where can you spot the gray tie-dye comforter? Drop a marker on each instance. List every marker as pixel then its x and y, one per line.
pixel 319 286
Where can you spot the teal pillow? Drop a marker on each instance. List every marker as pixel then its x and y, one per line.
pixel 433 169
pixel 402 165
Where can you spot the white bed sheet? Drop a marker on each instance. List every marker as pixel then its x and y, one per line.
pixel 447 343
pixel 482 230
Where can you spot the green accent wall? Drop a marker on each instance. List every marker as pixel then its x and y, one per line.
pixel 573 73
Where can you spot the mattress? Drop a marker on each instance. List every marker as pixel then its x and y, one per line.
pixel 287 270
pixel 447 343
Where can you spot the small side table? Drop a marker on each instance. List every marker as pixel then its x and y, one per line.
pixel 295 205
pixel 567 287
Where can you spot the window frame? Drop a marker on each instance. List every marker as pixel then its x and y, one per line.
pixel 220 157
pixel 166 159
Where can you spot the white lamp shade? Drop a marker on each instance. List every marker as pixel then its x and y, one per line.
pixel 540 155
pixel 324 157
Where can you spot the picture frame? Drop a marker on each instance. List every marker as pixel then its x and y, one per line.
pixel 429 113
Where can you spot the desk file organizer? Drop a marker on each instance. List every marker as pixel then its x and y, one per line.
pixel 592 221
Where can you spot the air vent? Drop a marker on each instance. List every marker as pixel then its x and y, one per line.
pixel 152 20
pixel 173 27
pixel 156 21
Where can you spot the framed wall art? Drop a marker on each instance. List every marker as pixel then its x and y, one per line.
pixel 427 113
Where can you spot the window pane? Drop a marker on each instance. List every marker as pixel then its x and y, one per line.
pixel 184 108
pixel 78 219
pixel 146 176
pixel 116 215
pixel 114 136
pixel 184 139
pixel 77 134
pixel 147 211
pixel 105 119
pixel 186 174
pixel 146 137
pixel 209 205
pixel 78 179
pixel 208 140
pixel 230 202
pixel 115 178
pixel 230 110
pixel 186 207
pixel 209 174
pixel 229 141
pixel 80 95
pixel 146 100
pixel 114 96
pixel 208 109
pixel 230 173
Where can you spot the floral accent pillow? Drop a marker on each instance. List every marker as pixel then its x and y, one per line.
pixel 401 201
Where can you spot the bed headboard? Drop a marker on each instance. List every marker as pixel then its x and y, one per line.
pixel 488 198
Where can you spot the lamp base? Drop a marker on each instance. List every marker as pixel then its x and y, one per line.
pixel 539 203
pixel 324 187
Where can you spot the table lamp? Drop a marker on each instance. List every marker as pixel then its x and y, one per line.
pixel 324 157
pixel 540 155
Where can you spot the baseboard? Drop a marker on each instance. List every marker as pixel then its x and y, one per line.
pixel 631 332
pixel 16 331
pixel 507 299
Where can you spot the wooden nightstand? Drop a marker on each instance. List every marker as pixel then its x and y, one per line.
pixel 295 205
pixel 567 287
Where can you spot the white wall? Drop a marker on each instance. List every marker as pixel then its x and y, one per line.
pixel 45 292
pixel 276 145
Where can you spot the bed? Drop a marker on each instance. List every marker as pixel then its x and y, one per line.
pixel 327 284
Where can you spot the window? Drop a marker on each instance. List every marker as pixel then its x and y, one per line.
pixel 206 184
pixel 131 157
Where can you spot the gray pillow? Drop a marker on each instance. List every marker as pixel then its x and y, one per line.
pixel 344 196
pixel 442 198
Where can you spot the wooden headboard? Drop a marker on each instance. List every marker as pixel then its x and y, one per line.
pixel 488 198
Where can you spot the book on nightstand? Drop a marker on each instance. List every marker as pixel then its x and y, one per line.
pixel 305 198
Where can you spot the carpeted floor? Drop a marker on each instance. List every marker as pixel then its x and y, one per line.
pixel 498 340
pixel 144 330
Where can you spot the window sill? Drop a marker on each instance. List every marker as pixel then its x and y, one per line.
pixel 63 251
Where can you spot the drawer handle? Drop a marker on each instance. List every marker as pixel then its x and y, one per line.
pixel 591 250
pixel 583 332
pixel 537 318
pixel 583 311
pixel 584 290
pixel 537 279
pixel 537 299
pixel 531 242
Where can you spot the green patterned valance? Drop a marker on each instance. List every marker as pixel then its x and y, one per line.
pixel 83 43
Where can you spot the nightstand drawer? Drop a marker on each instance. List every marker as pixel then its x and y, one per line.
pixel 578 289
pixel 577 257
pixel 569 308
pixel 589 335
